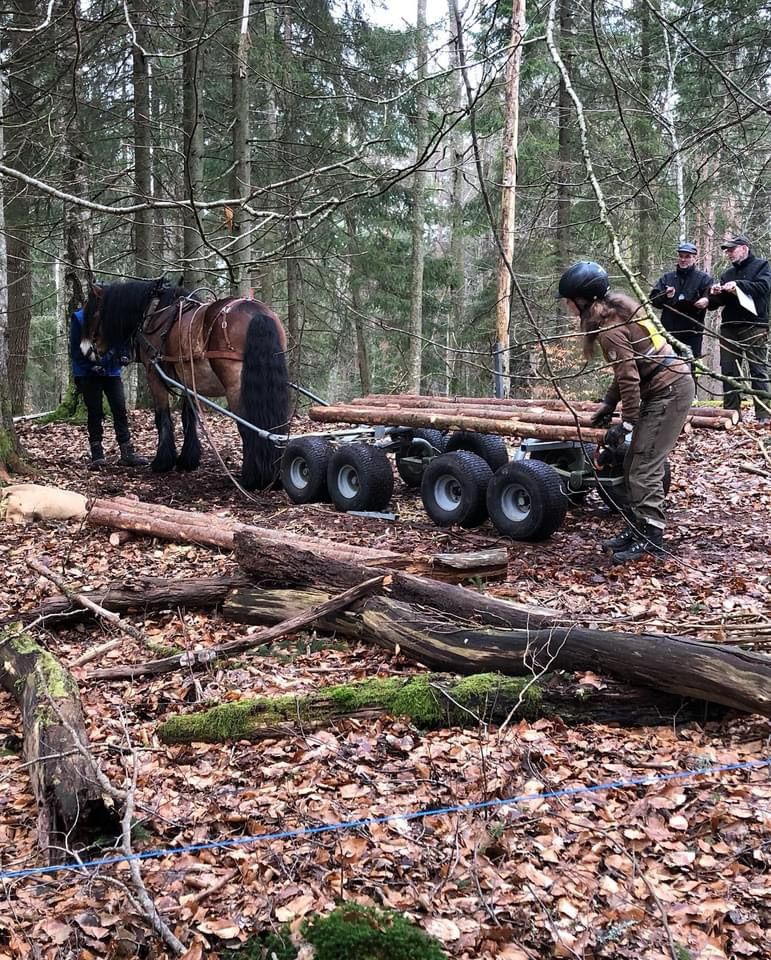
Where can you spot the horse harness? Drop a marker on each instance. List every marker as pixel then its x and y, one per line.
pixel 195 327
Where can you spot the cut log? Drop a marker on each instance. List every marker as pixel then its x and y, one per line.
pixel 451 421
pixel 72 811
pixel 422 401
pixel 430 702
pixel 210 530
pixel 449 627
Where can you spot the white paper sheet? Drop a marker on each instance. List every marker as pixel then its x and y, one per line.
pixel 746 301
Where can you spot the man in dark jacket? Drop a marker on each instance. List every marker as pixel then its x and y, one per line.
pixel 743 293
pixel 94 380
pixel 682 297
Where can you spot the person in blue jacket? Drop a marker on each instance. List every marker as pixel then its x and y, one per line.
pixel 93 381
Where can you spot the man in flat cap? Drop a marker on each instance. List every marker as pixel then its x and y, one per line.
pixel 743 293
pixel 682 297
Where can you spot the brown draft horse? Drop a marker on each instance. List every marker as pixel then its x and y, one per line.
pixel 233 347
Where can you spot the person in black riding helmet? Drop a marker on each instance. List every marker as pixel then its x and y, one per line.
pixel 94 380
pixel 682 297
pixel 655 389
pixel 743 293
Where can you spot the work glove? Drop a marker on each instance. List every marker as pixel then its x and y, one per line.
pixel 618 434
pixel 602 415
pixel 97 370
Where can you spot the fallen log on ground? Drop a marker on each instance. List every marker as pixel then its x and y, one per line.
pixel 72 811
pixel 141 595
pixel 211 530
pixel 452 628
pixel 200 658
pixel 430 702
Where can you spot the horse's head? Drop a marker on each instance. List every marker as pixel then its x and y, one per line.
pixel 113 314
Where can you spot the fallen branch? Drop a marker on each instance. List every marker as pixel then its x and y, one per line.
pixel 86 602
pixel 200 658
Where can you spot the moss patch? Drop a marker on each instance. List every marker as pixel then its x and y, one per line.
pixel 350 932
pixel 488 696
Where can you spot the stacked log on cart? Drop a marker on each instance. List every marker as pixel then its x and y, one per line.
pixel 548 419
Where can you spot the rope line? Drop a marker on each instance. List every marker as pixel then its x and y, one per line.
pixel 388 818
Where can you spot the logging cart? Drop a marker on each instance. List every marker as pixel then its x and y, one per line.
pixel 464 476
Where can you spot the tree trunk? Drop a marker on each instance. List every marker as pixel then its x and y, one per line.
pixel 193 73
pixel 457 282
pixel 22 147
pixel 241 284
pixel 362 356
pixel 446 627
pixel 566 159
pixel 508 198
pixel 430 702
pixel 418 214
pixel 9 444
pixel 71 809
pixel 643 128
pixel 144 221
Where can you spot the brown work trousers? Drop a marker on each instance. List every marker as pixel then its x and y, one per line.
pixel 655 434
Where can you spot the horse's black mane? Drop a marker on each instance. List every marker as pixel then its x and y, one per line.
pixel 122 307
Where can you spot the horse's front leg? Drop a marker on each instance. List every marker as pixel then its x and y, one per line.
pixel 166 453
pixel 190 454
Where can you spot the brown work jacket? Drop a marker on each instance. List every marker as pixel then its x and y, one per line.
pixel 643 363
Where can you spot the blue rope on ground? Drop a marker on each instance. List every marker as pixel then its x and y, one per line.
pixel 389 818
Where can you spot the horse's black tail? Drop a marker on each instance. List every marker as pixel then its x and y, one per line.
pixel 264 400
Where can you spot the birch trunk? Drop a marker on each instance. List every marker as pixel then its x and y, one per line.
pixel 508 199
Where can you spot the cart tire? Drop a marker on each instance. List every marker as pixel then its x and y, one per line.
pixel 615 497
pixel 410 471
pixel 359 477
pixel 526 500
pixel 488 446
pixel 560 460
pixel 454 487
pixel 304 469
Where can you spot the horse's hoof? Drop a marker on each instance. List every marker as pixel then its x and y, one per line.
pixel 161 466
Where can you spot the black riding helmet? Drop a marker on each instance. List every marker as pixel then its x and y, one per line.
pixel 585 279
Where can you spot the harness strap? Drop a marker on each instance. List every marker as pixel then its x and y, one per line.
pixel 207 355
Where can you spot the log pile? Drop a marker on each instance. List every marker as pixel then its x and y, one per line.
pixel 550 419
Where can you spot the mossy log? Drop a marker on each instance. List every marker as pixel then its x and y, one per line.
pixel 429 701
pixel 448 627
pixel 72 810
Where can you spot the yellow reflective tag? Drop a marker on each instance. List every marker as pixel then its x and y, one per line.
pixel 657 340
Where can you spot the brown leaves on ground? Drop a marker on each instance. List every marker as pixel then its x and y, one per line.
pixel 668 868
